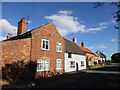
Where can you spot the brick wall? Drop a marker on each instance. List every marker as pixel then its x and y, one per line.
pixel 90 59
pixel 16 50
pixel 47 32
pixel 15 55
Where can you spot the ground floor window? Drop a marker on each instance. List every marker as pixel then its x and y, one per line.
pixel 58 64
pixel 72 64
pixel 82 63
pixel 43 65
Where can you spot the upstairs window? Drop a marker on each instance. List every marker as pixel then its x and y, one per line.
pixel 69 55
pixel 59 47
pixel 45 44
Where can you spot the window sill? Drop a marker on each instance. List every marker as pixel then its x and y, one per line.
pixel 44 49
pixel 58 68
pixel 42 70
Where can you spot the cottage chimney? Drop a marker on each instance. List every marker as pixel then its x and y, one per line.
pixel 74 39
pixel 82 44
pixel 9 35
pixel 22 26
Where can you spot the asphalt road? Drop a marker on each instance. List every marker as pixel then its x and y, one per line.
pixel 105 77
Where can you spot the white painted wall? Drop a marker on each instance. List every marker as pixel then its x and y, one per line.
pixel 77 59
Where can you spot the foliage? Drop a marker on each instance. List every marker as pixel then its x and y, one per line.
pixel 115 58
pixel 108 62
pixel 19 71
pixel 87 61
pixel 95 62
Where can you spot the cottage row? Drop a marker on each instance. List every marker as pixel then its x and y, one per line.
pixel 52 53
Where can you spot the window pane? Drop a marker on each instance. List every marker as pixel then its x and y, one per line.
pixel 47 44
pixel 43 46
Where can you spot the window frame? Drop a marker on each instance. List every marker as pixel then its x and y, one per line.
pixel 69 55
pixel 58 47
pixel 58 68
pixel 82 64
pixel 45 44
pixel 72 66
pixel 43 61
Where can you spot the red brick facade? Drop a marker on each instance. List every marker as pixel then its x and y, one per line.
pixel 47 32
pixel 29 49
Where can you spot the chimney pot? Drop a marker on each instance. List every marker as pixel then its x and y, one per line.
pixel 74 39
pixel 82 44
pixel 9 35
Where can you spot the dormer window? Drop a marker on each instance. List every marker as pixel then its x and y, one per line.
pixel 45 44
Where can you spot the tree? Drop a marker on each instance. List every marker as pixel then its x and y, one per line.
pixel 115 58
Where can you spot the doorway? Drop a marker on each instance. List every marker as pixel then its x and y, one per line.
pixel 77 67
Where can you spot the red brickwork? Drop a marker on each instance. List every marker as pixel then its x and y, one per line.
pixel 47 32
pixel 15 50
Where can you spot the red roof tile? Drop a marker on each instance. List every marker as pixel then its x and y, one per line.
pixel 86 50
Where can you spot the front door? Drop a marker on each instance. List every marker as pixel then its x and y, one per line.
pixel 77 67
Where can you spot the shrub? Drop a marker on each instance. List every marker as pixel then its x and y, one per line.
pixel 108 62
pixel 95 62
pixel 19 71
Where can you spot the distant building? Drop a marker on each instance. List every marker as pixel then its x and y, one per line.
pixel 91 56
pixel 101 58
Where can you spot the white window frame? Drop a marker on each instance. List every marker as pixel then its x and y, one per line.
pixel 45 44
pixel 43 62
pixel 58 47
pixel 72 65
pixel 58 68
pixel 82 64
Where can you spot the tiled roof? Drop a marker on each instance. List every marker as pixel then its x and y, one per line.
pixel 72 47
pixel 86 50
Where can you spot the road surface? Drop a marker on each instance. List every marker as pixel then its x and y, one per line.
pixel 105 77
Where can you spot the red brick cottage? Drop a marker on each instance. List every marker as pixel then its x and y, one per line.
pixel 40 50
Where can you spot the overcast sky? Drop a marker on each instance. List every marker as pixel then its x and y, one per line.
pixel 93 26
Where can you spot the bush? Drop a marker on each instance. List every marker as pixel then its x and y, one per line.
pixel 95 62
pixel 19 71
pixel 108 62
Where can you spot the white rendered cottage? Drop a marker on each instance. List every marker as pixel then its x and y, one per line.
pixel 75 59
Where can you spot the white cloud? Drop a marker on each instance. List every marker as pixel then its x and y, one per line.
pixel 2 38
pixel 92 47
pixel 113 21
pixel 7 27
pixel 65 12
pixel 66 24
pixel 103 46
pixel 99 46
pixel 115 40
pixel 111 49
pixel 103 23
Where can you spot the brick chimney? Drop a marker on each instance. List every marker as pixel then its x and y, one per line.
pixel 74 39
pixel 22 26
pixel 9 35
pixel 82 44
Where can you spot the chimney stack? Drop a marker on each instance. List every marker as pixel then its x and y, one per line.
pixel 22 26
pixel 9 35
pixel 74 39
pixel 82 44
